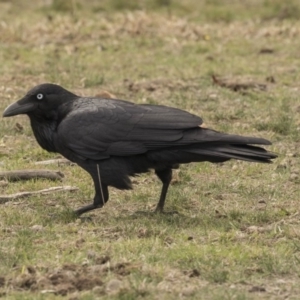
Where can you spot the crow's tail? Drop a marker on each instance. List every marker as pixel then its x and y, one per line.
pixel 208 145
pixel 232 151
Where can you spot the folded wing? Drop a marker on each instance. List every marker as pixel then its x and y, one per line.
pixel 99 128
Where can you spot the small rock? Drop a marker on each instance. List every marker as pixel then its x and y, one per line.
pixel 234 167
pixel 188 291
pixel 3 183
pixel 113 286
pixel 294 177
pixel 9 90
pixel 37 227
pixel 98 290
pixel 168 240
pixel 85 262
pixel 253 228
pixel 213 96
pixel 142 232
pixel 91 254
pixel 257 289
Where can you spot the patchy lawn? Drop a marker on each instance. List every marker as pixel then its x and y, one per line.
pixel 236 64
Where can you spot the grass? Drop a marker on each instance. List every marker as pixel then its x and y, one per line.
pixel 237 232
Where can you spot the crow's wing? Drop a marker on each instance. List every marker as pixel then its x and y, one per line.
pixel 98 128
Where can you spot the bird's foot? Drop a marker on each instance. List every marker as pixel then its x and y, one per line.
pixel 87 208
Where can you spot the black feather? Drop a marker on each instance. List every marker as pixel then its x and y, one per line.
pixel 115 139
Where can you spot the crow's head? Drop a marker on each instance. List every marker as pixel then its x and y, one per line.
pixel 42 100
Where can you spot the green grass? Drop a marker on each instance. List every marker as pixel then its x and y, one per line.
pixel 237 232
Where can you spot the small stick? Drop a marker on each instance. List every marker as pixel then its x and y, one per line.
pixel 31 174
pixel 6 198
pixel 59 161
pixel 99 177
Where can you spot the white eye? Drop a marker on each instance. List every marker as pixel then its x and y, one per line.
pixel 40 96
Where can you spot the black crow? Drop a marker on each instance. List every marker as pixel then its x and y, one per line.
pixel 115 139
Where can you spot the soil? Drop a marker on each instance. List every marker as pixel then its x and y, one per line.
pixel 68 278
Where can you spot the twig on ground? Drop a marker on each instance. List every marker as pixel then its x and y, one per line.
pixel 18 175
pixel 6 198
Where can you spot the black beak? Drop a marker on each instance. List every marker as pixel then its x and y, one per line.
pixel 18 108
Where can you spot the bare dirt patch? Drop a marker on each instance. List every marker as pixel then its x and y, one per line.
pixel 236 85
pixel 160 83
pixel 68 278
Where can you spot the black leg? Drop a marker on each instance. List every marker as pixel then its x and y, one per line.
pixel 100 199
pixel 165 176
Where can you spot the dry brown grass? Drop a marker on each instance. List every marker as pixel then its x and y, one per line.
pixel 237 232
